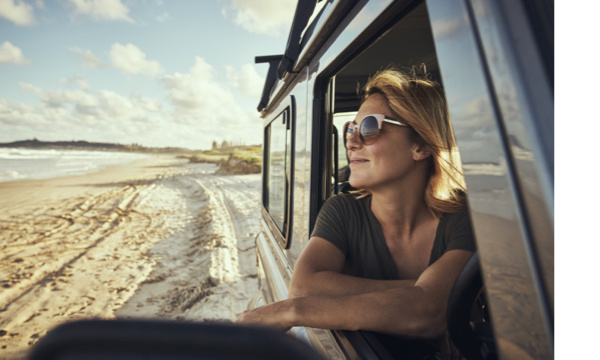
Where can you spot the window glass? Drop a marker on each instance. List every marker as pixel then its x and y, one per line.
pixel 339 119
pixel 277 164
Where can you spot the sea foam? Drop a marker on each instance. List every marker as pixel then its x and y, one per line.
pixel 25 164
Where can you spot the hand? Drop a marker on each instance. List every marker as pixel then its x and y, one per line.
pixel 277 315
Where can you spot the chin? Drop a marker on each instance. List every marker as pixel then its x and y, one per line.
pixel 356 182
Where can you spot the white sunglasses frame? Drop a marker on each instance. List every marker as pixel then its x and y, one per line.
pixel 380 120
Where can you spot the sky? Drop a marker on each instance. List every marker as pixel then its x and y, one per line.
pixel 150 72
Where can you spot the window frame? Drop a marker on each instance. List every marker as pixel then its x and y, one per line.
pixel 283 234
pixel 325 92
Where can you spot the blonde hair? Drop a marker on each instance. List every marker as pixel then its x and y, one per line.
pixel 420 103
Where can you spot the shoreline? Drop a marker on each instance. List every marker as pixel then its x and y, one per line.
pixel 42 164
pixel 11 191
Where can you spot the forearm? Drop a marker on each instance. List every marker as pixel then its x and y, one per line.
pixel 415 310
pixel 418 310
pixel 332 283
pixel 402 311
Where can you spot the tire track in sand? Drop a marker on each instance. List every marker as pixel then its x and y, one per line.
pixel 156 248
pixel 235 210
pixel 61 265
pixel 202 274
pixel 51 266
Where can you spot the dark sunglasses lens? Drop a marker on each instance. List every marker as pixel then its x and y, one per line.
pixel 369 129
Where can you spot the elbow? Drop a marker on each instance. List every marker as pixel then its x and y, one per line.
pixel 430 321
pixel 304 286
pixel 422 316
pixel 297 290
pixel 293 291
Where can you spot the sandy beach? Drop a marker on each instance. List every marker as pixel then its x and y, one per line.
pixel 158 238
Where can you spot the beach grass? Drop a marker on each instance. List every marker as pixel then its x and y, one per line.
pixel 251 154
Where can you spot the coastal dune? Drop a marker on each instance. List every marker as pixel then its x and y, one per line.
pixel 158 238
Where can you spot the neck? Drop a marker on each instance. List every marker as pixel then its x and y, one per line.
pixel 400 214
pixel 401 208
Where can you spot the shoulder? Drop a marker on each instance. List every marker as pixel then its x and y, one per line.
pixel 337 220
pixel 343 210
pixel 455 232
pixel 336 209
pixel 460 218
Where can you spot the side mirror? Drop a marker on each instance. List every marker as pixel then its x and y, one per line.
pixel 157 340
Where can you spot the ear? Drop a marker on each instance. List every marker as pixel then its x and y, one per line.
pixel 421 152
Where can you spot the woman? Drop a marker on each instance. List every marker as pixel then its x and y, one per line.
pixel 385 258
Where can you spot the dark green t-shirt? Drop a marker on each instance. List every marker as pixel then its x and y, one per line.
pixel 349 224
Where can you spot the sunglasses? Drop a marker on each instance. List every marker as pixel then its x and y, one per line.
pixel 369 128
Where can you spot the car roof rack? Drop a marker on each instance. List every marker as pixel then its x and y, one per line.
pixel 280 65
pixel 273 61
pixel 304 11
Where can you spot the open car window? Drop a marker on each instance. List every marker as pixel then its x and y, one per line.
pixel 406 45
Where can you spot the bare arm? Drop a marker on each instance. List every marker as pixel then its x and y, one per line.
pixel 417 310
pixel 318 272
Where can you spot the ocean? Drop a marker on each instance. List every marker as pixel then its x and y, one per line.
pixel 25 164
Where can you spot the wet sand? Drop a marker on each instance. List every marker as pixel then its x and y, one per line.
pixel 158 238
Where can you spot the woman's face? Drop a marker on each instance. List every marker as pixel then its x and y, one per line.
pixel 389 159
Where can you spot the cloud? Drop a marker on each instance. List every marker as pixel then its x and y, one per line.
pixel 265 17
pixel 76 80
pixel 58 98
pixel 79 98
pixel 102 10
pixel 10 54
pixel 127 109
pixel 473 125
pixel 127 58
pixel 197 98
pixel 197 92
pixel 18 115
pixel 164 17
pixel 247 80
pixel 199 109
pixel 17 11
pixel 443 28
pixel 131 60
pixel 88 115
pixel 31 88
pixel 89 60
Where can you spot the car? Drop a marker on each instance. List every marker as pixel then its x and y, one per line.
pixel 495 60
pixel 496 64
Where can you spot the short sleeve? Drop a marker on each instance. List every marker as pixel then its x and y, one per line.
pixel 455 232
pixel 331 222
pixel 461 235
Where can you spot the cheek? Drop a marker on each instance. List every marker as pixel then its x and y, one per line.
pixel 396 161
pixel 394 153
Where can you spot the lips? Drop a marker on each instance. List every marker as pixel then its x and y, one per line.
pixel 358 161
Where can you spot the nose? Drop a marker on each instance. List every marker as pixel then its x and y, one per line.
pixel 353 142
